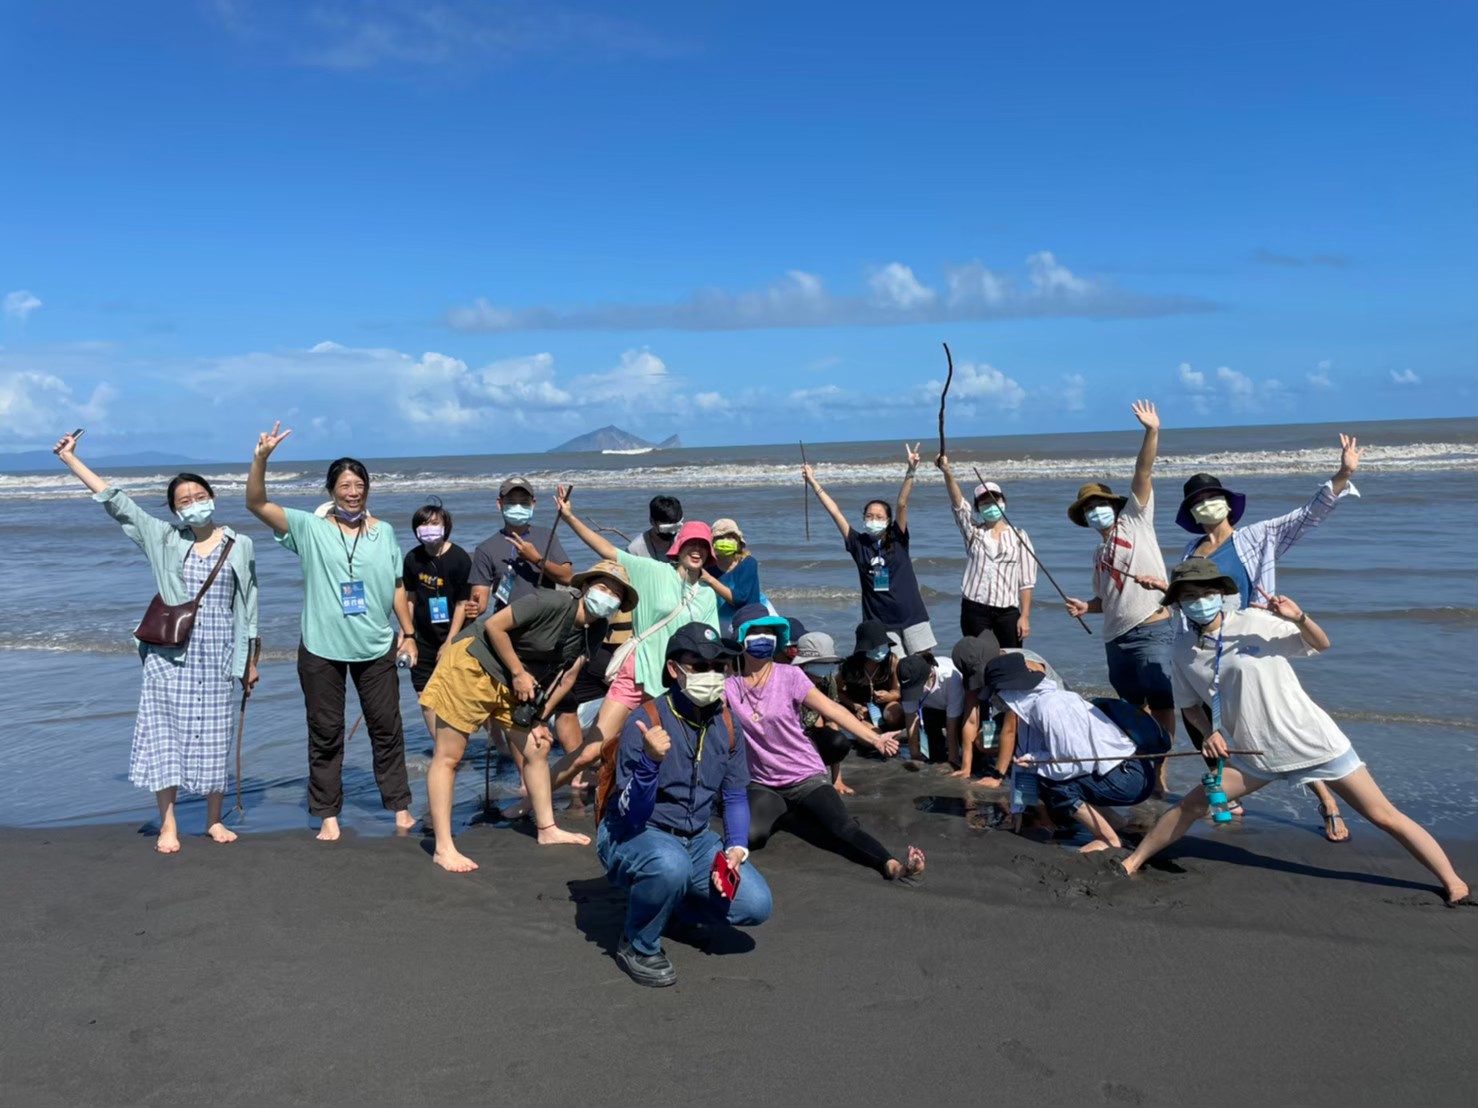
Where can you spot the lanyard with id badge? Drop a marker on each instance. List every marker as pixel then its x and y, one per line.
pixel 879 570
pixel 351 592
pixel 441 610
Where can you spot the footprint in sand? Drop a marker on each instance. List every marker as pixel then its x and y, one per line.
pixel 1120 1094
pixel 1024 1058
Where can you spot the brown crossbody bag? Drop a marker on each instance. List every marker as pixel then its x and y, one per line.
pixel 170 624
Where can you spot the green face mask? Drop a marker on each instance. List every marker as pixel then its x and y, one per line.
pixel 727 547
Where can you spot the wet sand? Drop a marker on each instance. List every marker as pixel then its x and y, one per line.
pixel 1253 966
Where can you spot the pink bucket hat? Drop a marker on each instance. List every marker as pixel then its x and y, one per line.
pixel 694 529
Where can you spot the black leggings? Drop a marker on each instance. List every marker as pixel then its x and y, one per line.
pixel 831 744
pixel 1001 622
pixel 819 817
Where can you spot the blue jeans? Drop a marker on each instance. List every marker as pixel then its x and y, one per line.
pixel 1139 664
pixel 1127 784
pixel 665 873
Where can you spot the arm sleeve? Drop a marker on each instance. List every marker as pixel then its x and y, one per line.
pixel 459 579
pixel 1283 638
pixel 1028 562
pixel 1287 530
pixel 736 818
pixel 853 541
pixel 637 548
pixel 636 781
pixel 1185 695
pixel 295 538
pixel 642 570
pixel 138 524
pixel 964 523
pixel 1146 510
pixel 954 697
pixel 484 572
pixel 408 573
pixel 249 589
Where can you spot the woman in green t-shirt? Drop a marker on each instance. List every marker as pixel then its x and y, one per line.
pixel 351 585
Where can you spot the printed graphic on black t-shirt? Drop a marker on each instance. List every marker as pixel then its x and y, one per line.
pixel 434 581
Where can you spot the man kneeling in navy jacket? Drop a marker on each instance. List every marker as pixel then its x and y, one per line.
pixel 657 790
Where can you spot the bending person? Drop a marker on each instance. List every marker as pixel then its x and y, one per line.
pixel 1249 555
pixel 351 586
pixel 1237 661
pixel 790 788
pixel 654 802
pixel 515 673
pixel 182 732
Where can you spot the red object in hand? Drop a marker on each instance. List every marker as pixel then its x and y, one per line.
pixel 728 876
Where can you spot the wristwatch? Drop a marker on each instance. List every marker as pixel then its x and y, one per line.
pixel 1303 617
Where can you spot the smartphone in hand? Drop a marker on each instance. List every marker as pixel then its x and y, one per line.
pixel 726 876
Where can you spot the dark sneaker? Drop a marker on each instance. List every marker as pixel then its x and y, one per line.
pixel 652 970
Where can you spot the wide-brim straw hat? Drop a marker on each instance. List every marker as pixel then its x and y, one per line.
pixel 611 571
pixel 1198 571
pixel 1093 490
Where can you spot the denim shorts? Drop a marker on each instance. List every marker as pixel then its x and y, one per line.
pixel 1127 784
pixel 1336 769
pixel 1139 664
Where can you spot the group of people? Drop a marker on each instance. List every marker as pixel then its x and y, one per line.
pixel 664 675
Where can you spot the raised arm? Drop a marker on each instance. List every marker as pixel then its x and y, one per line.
pixel 590 538
pixel 256 481
pixel 900 510
pixel 1349 461
pixel 1149 419
pixel 66 450
pixel 956 497
pixel 826 501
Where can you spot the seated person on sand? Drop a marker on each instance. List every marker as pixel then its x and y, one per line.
pixel 868 678
pixel 1237 660
pixel 814 653
pixel 658 783
pixel 789 787
pixel 1084 763
pixel 519 662
pixel 981 730
pixel 932 693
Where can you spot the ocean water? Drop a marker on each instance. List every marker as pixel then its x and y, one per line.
pixel 1390 575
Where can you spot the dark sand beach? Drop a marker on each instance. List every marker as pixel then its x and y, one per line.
pixel 1257 966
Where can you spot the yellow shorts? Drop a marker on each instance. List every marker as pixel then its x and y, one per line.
pixel 461 692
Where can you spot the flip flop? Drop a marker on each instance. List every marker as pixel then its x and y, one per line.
pixel 1329 818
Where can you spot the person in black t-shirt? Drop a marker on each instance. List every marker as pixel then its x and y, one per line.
pixel 435 575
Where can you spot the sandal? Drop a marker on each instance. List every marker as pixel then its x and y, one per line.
pixel 1329 829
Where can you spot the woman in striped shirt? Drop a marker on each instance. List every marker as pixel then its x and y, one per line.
pixel 999 574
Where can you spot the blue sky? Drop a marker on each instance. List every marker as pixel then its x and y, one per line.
pixel 446 226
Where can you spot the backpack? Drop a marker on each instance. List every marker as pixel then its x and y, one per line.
pixel 609 748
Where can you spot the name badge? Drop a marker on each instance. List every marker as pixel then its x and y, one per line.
pixel 505 590
pixel 880 577
pixel 351 596
pixel 440 610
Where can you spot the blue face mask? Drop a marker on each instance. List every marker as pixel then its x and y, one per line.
pixel 875 527
pixel 601 604
pixel 878 653
pixel 989 514
pixel 761 647
pixel 1202 610
pixel 197 514
pixel 1100 518
pixel 517 515
pixel 346 516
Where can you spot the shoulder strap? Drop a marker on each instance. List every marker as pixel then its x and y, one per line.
pixel 651 709
pixel 670 616
pixel 221 561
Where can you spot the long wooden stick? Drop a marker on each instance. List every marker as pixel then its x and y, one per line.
pixel 1028 548
pixel 806 494
pixel 548 546
pixel 1130 757
pixel 358 720
pixel 950 359
pixel 606 530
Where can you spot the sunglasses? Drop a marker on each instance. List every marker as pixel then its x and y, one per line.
pixel 704 667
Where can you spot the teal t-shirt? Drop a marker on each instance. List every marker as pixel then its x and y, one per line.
pixel 661 589
pixel 325 553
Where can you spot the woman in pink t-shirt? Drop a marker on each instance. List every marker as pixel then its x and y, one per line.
pixel 789 786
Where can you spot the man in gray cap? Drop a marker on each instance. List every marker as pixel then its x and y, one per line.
pixel 512 563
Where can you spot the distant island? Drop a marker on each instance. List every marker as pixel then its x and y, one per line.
pixel 613 440
pixel 29 461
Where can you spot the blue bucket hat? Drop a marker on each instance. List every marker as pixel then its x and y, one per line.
pixel 757 615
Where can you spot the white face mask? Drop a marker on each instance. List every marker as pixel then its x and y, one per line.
pixel 702 689
pixel 1211 511
pixel 197 514
pixel 875 527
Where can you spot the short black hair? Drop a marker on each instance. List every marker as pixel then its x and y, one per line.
pixel 353 465
pixel 432 509
pixel 665 509
pixel 187 479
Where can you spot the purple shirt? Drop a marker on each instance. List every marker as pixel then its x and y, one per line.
pixel 779 752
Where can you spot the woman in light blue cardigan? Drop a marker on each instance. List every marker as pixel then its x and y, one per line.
pixel 182 735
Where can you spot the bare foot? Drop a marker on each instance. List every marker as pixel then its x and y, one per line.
pixel 842 788
pixel 553 836
pixel 912 868
pixel 453 861
pixel 168 842
pixel 404 821
pixel 1093 846
pixel 328 831
pixel 1456 896
pixel 221 833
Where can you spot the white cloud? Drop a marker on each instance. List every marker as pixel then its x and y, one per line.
pixel 1227 389
pixel 1320 378
pixel 894 295
pixel 895 286
pixel 981 382
pixel 1192 380
pixel 1238 386
pixel 1073 393
pixel 19 304
pixel 1405 377
pixel 36 406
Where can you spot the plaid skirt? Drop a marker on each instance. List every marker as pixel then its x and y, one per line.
pixel 182 736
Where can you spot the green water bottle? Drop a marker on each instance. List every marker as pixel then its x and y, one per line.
pixel 1216 797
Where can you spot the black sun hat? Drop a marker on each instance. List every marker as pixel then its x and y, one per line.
pixel 1203 486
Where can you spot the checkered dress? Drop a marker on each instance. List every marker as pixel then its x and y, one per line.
pixel 183 732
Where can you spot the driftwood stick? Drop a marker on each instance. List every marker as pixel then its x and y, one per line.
pixel 806 494
pixel 947 381
pixel 1129 757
